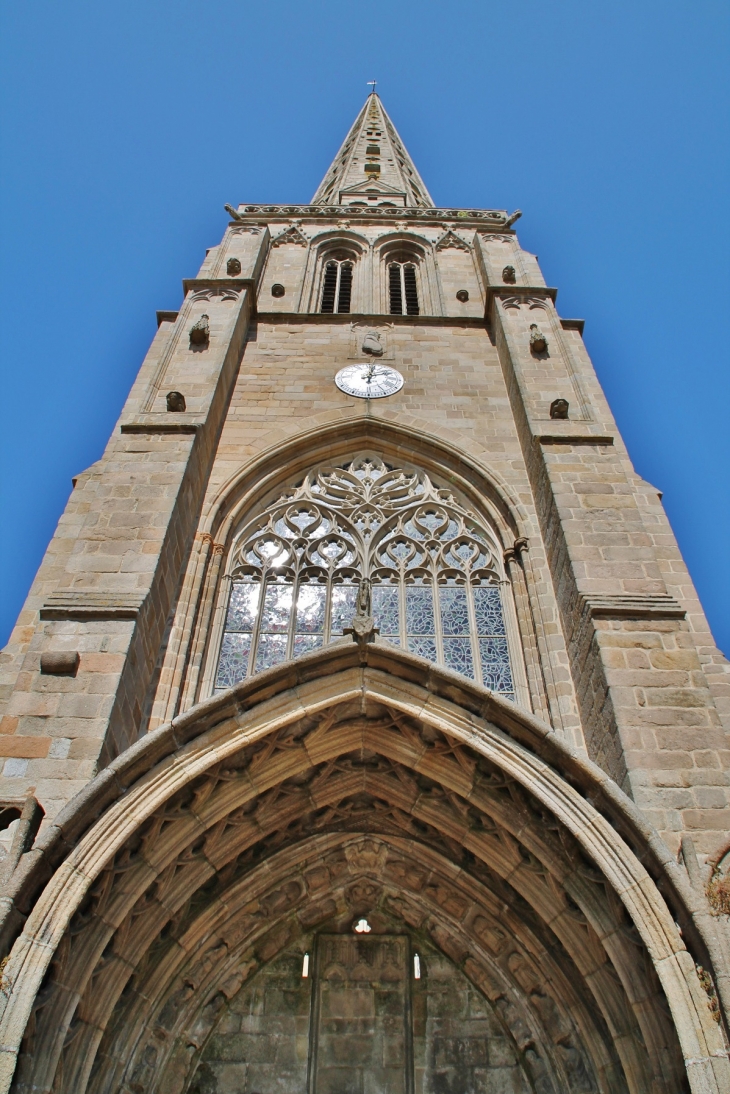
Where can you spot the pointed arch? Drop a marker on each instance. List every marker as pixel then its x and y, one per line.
pixel 200 616
pixel 499 822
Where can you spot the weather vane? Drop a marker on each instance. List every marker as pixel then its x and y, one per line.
pixel 373 83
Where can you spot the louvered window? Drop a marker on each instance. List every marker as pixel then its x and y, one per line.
pixel 337 286
pixel 403 289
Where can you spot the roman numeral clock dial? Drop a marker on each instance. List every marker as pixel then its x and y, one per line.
pixel 369 381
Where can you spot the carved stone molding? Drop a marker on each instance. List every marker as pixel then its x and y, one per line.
pixel 620 606
pixel 456 829
pixel 169 422
pixel 513 297
pixel 208 541
pixel 291 235
pixel 243 229
pixel 210 294
pixel 496 237
pixel 499 217
pixel 92 604
pixel 450 239
pixel 216 286
pixel 574 438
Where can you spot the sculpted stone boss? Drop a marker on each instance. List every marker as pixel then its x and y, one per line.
pixel 362 729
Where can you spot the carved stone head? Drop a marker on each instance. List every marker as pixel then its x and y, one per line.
pixel 175 401
pixel 233 267
pixel 538 341
pixel 508 275
pixel 559 409
pixel 200 332
pixel 372 345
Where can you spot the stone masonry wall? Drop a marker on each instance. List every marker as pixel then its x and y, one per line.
pixel 620 656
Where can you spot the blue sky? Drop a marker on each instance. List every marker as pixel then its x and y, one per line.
pixel 125 127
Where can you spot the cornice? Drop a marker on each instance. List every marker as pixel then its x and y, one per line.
pixel 375 318
pixel 498 220
pixel 84 604
pixel 627 606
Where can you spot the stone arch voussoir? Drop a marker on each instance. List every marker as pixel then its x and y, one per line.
pixel 186 861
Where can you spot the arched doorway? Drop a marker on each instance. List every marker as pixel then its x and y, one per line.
pixel 359 781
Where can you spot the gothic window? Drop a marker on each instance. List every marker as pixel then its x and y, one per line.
pixel 337 285
pixel 434 566
pixel 402 288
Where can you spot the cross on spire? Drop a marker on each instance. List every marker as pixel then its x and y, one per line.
pixel 372 83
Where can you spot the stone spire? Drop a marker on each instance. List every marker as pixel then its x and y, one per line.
pixel 372 167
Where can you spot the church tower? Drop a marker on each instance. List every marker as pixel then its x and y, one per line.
pixel 362 731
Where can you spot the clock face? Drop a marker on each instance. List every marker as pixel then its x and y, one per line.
pixel 369 381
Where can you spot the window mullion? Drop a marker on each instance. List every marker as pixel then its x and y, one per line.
pixel 337 288
pixel 327 629
pixel 403 304
pixel 476 649
pixel 292 617
pixel 437 618
pixel 257 623
pixel 402 621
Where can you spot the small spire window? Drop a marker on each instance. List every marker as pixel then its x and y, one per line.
pixel 403 289
pixel 337 286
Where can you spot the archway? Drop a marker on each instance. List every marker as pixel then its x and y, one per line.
pixel 356 780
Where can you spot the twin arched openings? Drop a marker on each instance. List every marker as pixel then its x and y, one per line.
pixel 401 276
pixel 435 566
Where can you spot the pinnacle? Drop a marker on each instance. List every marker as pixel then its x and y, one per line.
pixel 373 167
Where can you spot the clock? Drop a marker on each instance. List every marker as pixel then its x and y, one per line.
pixel 369 381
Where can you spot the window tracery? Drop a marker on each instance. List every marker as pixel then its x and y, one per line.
pixel 435 568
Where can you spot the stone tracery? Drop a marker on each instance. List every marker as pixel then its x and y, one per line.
pixel 436 569
pixel 233 868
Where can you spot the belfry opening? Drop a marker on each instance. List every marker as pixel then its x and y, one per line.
pixel 346 711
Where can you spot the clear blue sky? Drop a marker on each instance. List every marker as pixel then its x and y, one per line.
pixel 126 126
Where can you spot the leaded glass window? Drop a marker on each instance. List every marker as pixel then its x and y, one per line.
pixel 435 568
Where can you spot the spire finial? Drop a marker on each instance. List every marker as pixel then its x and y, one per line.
pixel 372 83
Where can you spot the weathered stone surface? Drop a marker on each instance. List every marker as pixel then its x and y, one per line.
pixel 537 854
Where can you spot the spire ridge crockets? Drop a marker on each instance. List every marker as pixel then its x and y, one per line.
pixel 373 167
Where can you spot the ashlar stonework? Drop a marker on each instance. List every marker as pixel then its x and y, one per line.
pixel 365 744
